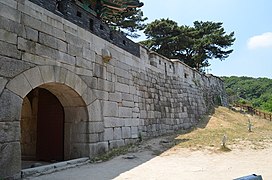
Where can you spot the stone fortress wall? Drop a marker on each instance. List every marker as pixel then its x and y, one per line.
pixel 111 96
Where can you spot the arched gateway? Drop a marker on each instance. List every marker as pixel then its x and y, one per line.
pixel 53 114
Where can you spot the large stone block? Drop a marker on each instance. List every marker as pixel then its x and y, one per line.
pixel 81 62
pixel 47 73
pixel 95 127
pixel 9 50
pixel 19 85
pixel 11 3
pixel 9 131
pixel 7 36
pixel 90 81
pixel 116 97
pixel 108 134
pixel 99 71
pixel 12 26
pixel 125 112
pixel 95 111
pixel 110 109
pixel 26 45
pixel 88 54
pixel 10 13
pixel 75 40
pixel 98 149
pixel 113 122
pixel 60 74
pixel 121 87
pixel 134 132
pixel 34 77
pixel 105 85
pixel 116 143
pixel 117 133
pixel 10 159
pixel 58 33
pixel 121 72
pixel 74 50
pixel 36 12
pixel 52 42
pixel 31 22
pixel 126 132
pixel 47 52
pixel 102 95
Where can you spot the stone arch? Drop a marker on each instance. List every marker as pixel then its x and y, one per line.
pixel 71 91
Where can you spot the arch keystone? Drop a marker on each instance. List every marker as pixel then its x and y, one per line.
pixel 34 77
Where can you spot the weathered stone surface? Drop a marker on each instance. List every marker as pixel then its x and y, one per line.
pixel 12 26
pixel 81 62
pixel 9 50
pixel 31 34
pixel 98 149
pixel 95 127
pixel 108 134
pixel 95 111
pixel 60 74
pixel 74 50
pixel 116 143
pixel 8 36
pixel 34 77
pixel 52 42
pixel 47 73
pixel 74 40
pixel 10 13
pixel 125 112
pixel 19 85
pixel 99 71
pixel 26 45
pixel 110 109
pixel 3 83
pixel 117 133
pixel 88 54
pixel 9 131
pixel 10 106
pixel 116 97
pixel 113 122
pixel 126 132
pixel 121 87
pixel 105 85
pixel 134 132
pixel 10 159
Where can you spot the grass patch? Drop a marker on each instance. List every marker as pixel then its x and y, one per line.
pixel 210 131
pixel 113 153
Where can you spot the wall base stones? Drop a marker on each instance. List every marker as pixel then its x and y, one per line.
pixel 106 104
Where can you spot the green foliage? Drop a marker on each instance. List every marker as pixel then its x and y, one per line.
pixel 129 22
pixel 123 15
pixel 257 91
pixel 195 45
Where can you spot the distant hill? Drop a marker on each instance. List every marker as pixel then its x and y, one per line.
pixel 256 91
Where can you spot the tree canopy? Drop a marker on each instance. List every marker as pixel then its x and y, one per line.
pixel 194 46
pixel 121 15
pixel 256 91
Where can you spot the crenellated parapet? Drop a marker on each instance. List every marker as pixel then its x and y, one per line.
pixel 83 15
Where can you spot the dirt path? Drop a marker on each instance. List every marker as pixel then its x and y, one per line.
pixel 156 159
pixel 174 163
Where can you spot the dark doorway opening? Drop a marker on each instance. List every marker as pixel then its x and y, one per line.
pixel 42 127
pixel 50 127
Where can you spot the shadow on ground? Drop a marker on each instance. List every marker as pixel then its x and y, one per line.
pixel 136 156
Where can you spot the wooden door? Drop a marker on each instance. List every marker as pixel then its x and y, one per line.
pixel 50 127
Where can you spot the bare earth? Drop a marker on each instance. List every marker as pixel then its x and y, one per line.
pixel 158 159
pixel 175 163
